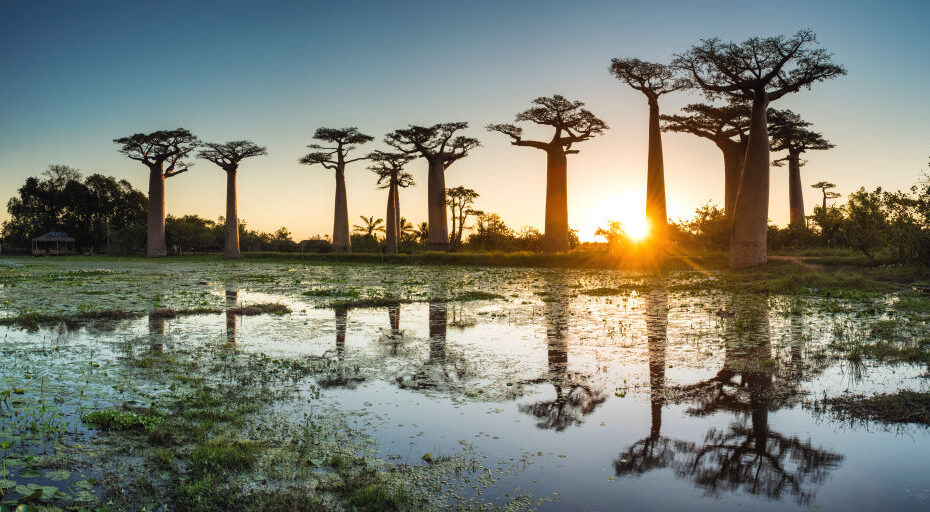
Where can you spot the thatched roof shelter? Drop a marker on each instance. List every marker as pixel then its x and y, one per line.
pixel 52 243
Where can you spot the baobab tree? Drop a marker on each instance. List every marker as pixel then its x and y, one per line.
pixel 460 200
pixel 333 156
pixel 391 175
pixel 788 132
pixel 761 70
pixel 163 152
pixel 228 156
pixel 727 127
pixel 653 80
pixel 825 186
pixel 572 124
pixel 439 145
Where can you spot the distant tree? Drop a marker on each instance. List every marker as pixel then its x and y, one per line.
pixel 728 128
pixel 709 228
pixel 572 124
pixel 421 234
pixel 192 233
pixel 439 145
pixel 163 152
pixel 333 156
pixel 614 235
pixel 369 226
pixel 901 212
pixel 789 133
pixel 761 70
pixel 460 199
pixel 228 156
pixel 825 187
pixel 830 221
pixel 93 210
pixel 653 80
pixel 391 175
pixel 865 228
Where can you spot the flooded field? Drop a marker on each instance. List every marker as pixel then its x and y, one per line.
pixel 207 385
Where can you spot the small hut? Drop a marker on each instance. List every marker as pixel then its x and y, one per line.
pixel 52 243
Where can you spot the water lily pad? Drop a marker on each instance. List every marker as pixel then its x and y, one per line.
pixel 58 475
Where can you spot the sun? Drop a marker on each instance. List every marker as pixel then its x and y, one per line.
pixel 636 227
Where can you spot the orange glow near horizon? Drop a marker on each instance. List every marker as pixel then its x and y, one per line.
pixel 629 210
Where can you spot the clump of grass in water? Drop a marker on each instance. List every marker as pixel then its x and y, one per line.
pixel 905 406
pixel 110 419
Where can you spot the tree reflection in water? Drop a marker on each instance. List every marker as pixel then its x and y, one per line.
pixel 746 456
pixel 337 373
pixel 232 298
pixel 573 398
pixel 442 370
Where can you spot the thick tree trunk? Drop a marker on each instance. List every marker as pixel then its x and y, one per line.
pixel 795 194
pixel 556 233
pixel 436 202
pixel 341 240
pixel 733 155
pixel 390 228
pixel 655 178
pixel 232 218
pixel 399 227
pixel 156 248
pixel 749 236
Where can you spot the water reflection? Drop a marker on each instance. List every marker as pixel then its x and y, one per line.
pixel 442 369
pixel 156 331
pixel 746 456
pixel 574 399
pixel 232 298
pixel 654 451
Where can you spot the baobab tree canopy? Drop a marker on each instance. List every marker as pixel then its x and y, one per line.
pixel 165 149
pixel 650 78
pixel 711 122
pixel 228 155
pixel 573 123
pixel 770 66
pixel 788 132
pixel 341 141
pixel 389 168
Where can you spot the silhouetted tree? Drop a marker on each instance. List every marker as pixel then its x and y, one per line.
pixel 572 124
pixel 163 152
pixel 653 80
pixel 825 186
pixel 788 132
pixel 460 198
pixel 728 128
pixel 227 156
pixel 439 145
pixel 761 70
pixel 391 175
pixel 369 226
pixel 333 156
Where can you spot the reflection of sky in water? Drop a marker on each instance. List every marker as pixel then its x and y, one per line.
pixel 647 400
pixel 592 413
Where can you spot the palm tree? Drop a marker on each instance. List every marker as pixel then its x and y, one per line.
pixel 369 226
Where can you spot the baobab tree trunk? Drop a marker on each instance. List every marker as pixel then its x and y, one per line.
pixel 655 178
pixel 795 194
pixel 341 240
pixel 733 155
pixel 657 337
pixel 232 218
pixel 749 236
pixel 556 231
pixel 342 318
pixel 399 228
pixel 390 229
pixel 156 248
pixel 438 225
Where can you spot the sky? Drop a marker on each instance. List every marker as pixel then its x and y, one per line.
pixel 76 75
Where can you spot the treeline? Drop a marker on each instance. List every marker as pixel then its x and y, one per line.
pixel 895 225
pixel 106 215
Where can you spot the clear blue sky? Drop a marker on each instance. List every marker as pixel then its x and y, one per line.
pixel 77 74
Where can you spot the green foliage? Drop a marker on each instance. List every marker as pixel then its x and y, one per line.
pixel 110 419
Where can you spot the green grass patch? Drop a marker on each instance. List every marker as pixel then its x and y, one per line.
pixel 111 419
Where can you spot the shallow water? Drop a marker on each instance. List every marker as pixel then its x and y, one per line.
pixel 652 396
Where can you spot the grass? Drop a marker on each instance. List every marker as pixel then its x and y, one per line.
pixel 33 320
pixel 111 419
pixel 902 407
